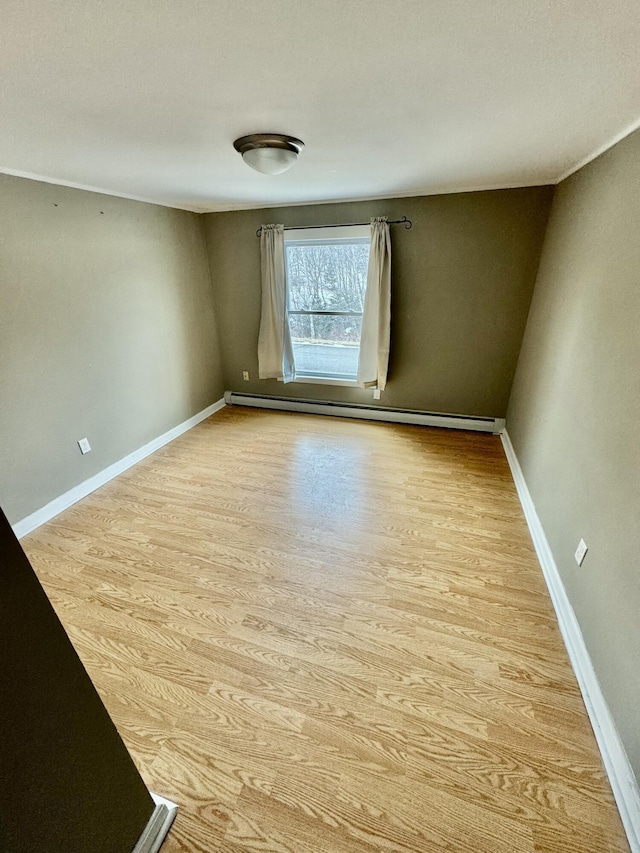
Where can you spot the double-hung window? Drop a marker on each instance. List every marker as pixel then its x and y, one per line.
pixel 326 272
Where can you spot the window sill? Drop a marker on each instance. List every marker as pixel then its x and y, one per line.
pixel 321 380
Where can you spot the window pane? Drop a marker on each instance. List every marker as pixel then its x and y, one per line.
pixel 326 346
pixel 327 277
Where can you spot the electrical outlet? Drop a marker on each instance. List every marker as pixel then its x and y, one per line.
pixel 376 393
pixel 245 375
pixel 84 445
pixel 581 550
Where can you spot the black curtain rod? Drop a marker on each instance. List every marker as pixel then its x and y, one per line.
pixel 404 221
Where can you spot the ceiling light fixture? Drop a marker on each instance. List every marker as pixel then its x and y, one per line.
pixel 269 153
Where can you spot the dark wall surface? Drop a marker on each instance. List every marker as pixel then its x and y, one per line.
pixel 462 280
pixel 67 782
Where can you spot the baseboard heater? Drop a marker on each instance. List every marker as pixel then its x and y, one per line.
pixel 370 413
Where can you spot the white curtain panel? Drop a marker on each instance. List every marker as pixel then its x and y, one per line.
pixel 376 318
pixel 275 351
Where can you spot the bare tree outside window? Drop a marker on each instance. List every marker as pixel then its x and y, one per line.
pixel 326 283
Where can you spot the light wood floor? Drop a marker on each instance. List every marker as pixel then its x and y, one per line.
pixel 322 636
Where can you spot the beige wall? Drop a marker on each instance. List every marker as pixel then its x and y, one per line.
pixel 462 284
pixel 574 415
pixel 107 330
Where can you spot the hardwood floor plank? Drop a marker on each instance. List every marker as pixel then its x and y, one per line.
pixel 321 635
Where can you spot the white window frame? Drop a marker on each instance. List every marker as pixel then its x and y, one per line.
pixel 327 237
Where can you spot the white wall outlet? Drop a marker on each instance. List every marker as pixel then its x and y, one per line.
pixel 581 550
pixel 376 393
pixel 245 375
pixel 84 445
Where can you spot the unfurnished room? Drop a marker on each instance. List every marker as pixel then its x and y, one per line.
pixel 319 406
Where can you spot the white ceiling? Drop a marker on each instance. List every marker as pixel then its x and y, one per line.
pixel 143 98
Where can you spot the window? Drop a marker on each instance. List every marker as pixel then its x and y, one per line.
pixel 326 273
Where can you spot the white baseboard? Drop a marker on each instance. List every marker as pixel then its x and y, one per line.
pixel 158 825
pixel 621 776
pixel 64 501
pixel 370 413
